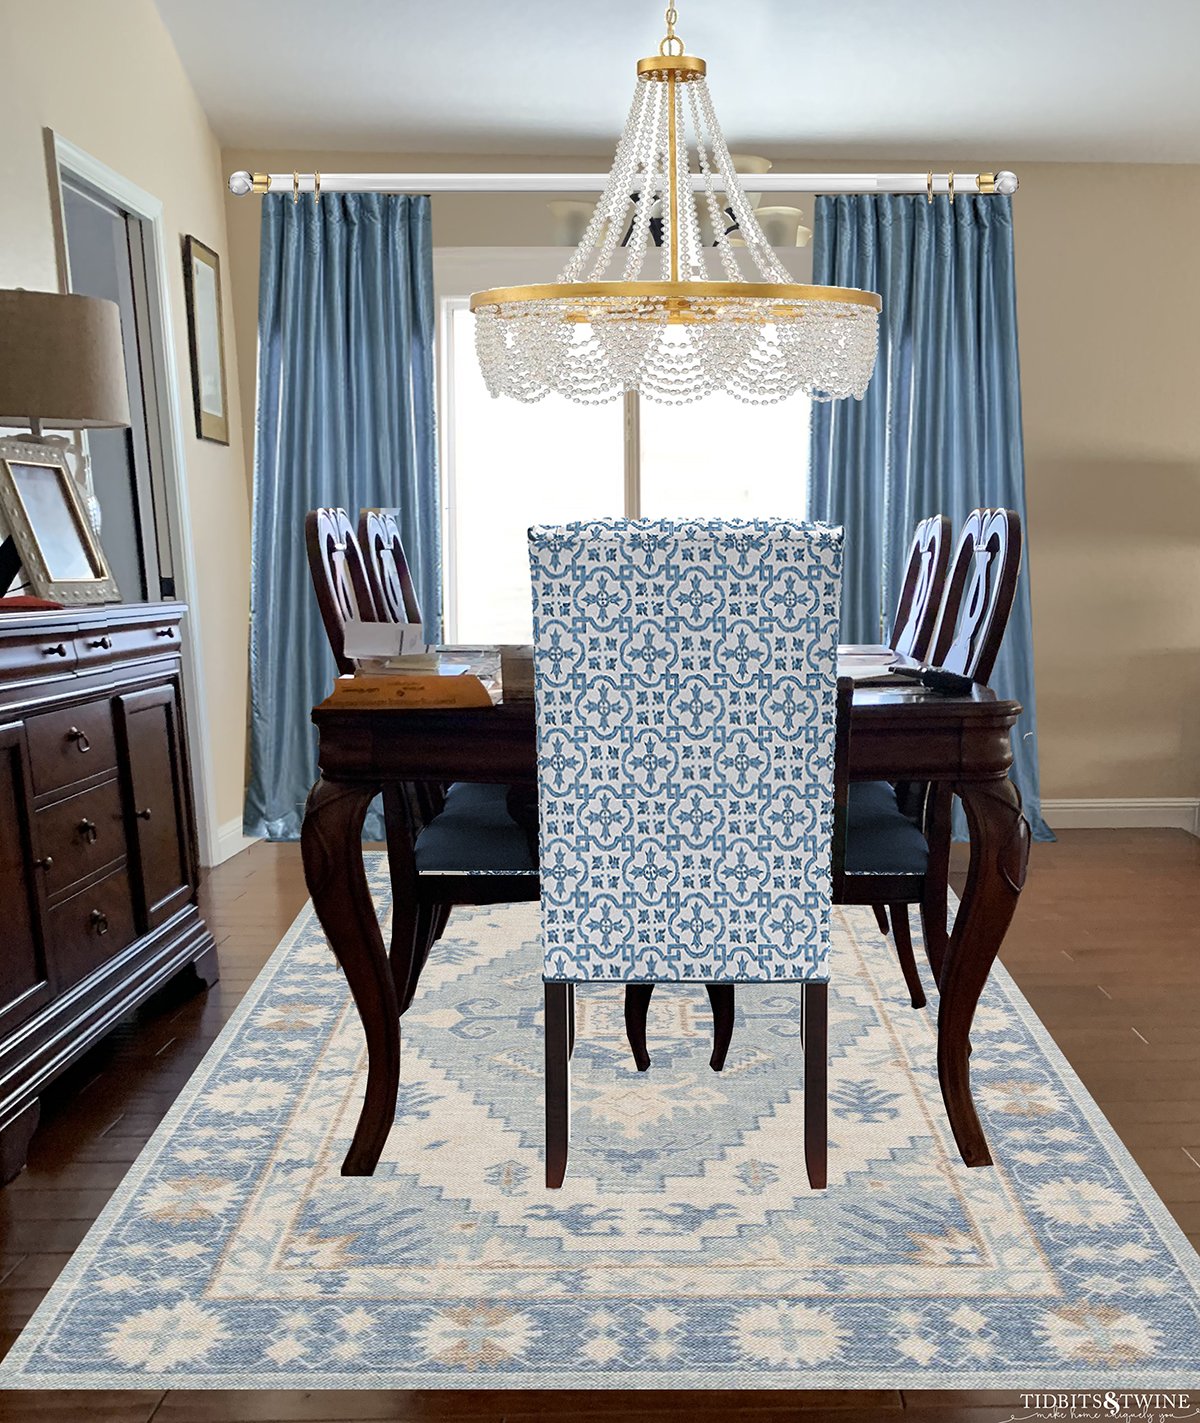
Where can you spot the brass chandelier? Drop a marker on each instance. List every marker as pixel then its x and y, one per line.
pixel 610 324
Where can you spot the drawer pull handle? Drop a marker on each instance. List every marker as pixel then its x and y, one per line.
pixel 104 642
pixel 82 744
pixel 87 828
pixel 99 921
pixel 144 814
pixel 164 632
pixel 59 649
pixel 45 863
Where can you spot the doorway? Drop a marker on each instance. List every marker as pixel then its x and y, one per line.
pixel 106 257
pixel 111 241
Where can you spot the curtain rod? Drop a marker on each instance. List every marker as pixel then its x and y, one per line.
pixel 241 183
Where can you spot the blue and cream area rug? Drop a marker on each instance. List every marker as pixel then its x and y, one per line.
pixel 685 1249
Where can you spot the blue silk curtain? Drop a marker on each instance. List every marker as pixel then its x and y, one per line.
pixel 939 431
pixel 345 417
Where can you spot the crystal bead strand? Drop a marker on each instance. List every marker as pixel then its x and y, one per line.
pixel 709 199
pixel 691 258
pixel 624 208
pixel 614 201
pixel 756 244
pixel 650 181
pixel 729 261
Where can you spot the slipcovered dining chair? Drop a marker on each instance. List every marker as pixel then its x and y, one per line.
pixel 895 858
pixel 685 680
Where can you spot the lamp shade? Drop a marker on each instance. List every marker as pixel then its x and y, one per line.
pixel 62 363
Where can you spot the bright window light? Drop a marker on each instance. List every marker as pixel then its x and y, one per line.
pixel 516 465
pixel 509 465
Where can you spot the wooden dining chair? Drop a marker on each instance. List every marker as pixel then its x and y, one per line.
pixel 913 627
pixel 972 619
pixel 387 567
pixel 447 845
pixel 339 576
pixel 685 687
pixel 921 591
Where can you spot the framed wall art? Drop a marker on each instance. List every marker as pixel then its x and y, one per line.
pixel 206 340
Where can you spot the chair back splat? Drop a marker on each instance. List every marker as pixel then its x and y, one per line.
pixel 339 577
pixel 685 687
pixel 979 593
pixel 922 589
pixel 387 567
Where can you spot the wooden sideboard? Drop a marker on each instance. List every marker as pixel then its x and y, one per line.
pixel 98 865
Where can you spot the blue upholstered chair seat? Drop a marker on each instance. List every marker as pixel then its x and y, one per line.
pixel 880 838
pixel 474 834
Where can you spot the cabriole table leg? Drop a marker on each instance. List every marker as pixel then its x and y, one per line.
pixel 331 843
pixel 999 858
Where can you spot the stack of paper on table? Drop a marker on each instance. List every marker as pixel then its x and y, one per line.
pixel 868 664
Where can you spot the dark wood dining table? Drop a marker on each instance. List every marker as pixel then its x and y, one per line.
pixel 898 733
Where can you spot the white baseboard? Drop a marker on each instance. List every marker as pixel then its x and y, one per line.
pixel 1164 813
pixel 231 841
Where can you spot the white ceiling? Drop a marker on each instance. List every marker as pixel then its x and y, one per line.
pixel 996 83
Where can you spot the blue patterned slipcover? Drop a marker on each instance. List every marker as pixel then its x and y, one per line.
pixel 685 679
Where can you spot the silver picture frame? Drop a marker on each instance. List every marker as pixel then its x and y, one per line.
pixel 41 507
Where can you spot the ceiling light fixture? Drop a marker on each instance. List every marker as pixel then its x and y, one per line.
pixel 603 329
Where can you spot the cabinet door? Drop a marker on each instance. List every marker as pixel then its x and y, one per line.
pixel 154 759
pixel 24 985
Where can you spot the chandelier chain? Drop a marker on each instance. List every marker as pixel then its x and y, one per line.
pixel 671 38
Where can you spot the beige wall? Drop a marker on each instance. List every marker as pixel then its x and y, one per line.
pixel 1109 311
pixel 107 78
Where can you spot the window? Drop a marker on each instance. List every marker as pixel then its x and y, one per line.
pixel 509 465
pixel 724 459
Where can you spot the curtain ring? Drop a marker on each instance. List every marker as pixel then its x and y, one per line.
pixel 317 187
pixel 295 187
pixel 929 186
pixel 950 189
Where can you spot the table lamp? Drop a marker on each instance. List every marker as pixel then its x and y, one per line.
pixel 62 364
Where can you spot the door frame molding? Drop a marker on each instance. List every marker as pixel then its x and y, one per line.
pixel 62 154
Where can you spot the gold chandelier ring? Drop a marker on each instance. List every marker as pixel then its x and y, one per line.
pixel 700 292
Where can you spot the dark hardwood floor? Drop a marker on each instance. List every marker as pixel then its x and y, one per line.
pixel 1104 945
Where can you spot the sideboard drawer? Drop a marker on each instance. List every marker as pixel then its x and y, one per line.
pixel 71 745
pixel 37 654
pixel 80 835
pixel 90 928
pixel 98 646
pixel 149 640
